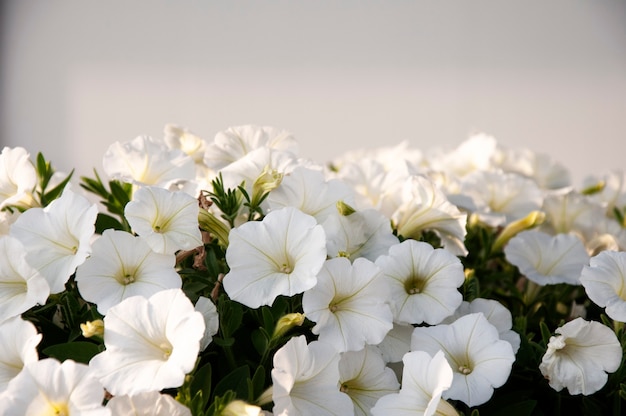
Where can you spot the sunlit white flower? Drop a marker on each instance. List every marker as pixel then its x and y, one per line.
pixel 122 266
pixel 364 377
pixel 425 208
pixel 501 197
pixel 424 378
pixel 605 282
pixel 147 161
pixel 474 154
pixel 236 142
pixel 177 137
pixel 168 221
pixel 348 304
pixel 480 360
pixel 307 190
pixel 389 157
pixel 613 190
pixel 579 357
pixel 151 344
pixel 546 259
pixel 211 320
pixel 48 387
pixel 366 233
pixel 57 238
pixel 280 255
pixel 151 403
pixel 305 379
pixel 540 167
pixel 571 213
pixel 423 282
pixel 7 218
pixel 496 314
pixel 18 347
pixel 21 286
pixel 17 176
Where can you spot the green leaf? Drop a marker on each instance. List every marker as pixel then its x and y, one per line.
pixel 545 332
pixel 201 383
pixel 260 340
pixel 120 192
pixel 105 222
pixel 54 193
pixel 235 381
pixel 257 383
pixel 79 351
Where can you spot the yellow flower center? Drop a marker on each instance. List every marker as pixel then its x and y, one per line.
pixel 465 369
pixel 414 285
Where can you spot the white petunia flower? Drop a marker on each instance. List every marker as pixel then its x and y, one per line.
pixel 364 377
pixel 18 347
pixel 477 153
pixel 151 403
pixel 424 207
pixel 604 281
pixel 571 213
pixel 48 387
pixel 168 221
pixel 423 282
pixel 211 320
pixel 348 304
pixel 122 266
pixel 480 360
pixel 57 238
pixel 496 314
pixel 147 161
pixel 307 190
pixel 540 167
pixel 397 342
pixel 305 379
pixel 21 286
pixel 546 259
pixel 177 137
pixel 579 357
pixel 18 177
pixel 424 378
pixel 151 344
pixel 280 255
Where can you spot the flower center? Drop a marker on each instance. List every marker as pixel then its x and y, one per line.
pixel 344 388
pixel 167 348
pixel 414 285
pixel 126 277
pixel 58 409
pixel 465 369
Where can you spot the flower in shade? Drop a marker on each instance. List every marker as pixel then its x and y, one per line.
pixel 424 378
pixel 18 347
pixel 21 286
pixel 211 320
pixel 168 221
pixel 546 259
pixel 364 377
pixel 579 357
pixel 397 342
pixel 480 360
pixel 423 282
pixel 280 255
pixel 151 344
pixel 147 161
pixel 150 403
pixel 604 280
pixel 48 387
pixel 17 176
pixel 305 379
pixel 122 266
pixel 348 304
pixel 57 238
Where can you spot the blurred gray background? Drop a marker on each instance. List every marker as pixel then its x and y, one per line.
pixel 546 75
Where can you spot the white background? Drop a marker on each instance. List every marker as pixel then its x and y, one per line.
pixel 545 75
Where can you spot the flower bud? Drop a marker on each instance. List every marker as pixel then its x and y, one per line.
pixel 531 220
pixel 93 328
pixel 286 322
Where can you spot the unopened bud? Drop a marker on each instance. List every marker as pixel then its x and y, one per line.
pixel 345 209
pixel 286 322
pixel 240 408
pixel 209 223
pixel 533 219
pixel 92 328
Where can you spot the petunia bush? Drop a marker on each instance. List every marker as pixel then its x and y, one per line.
pixel 237 277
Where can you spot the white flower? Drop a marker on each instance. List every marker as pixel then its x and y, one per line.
pixel 348 304
pixel 397 342
pixel 307 190
pixel 571 212
pixel 496 314
pixel 540 167
pixel 168 221
pixel 280 255
pixel 424 378
pixel 18 347
pixel 424 207
pixel 177 137
pixel 211 320
pixel 474 154
pixel 21 286
pixel 151 403
pixel 546 259
pixel 480 360
pixel 147 161
pixel 122 266
pixel 423 282
pixel 605 282
pixel 57 238
pixel 18 177
pixel 305 379
pixel 364 377
pixel 579 357
pixel 48 387
pixel 151 344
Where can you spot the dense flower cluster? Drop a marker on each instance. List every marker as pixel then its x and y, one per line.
pixel 233 277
